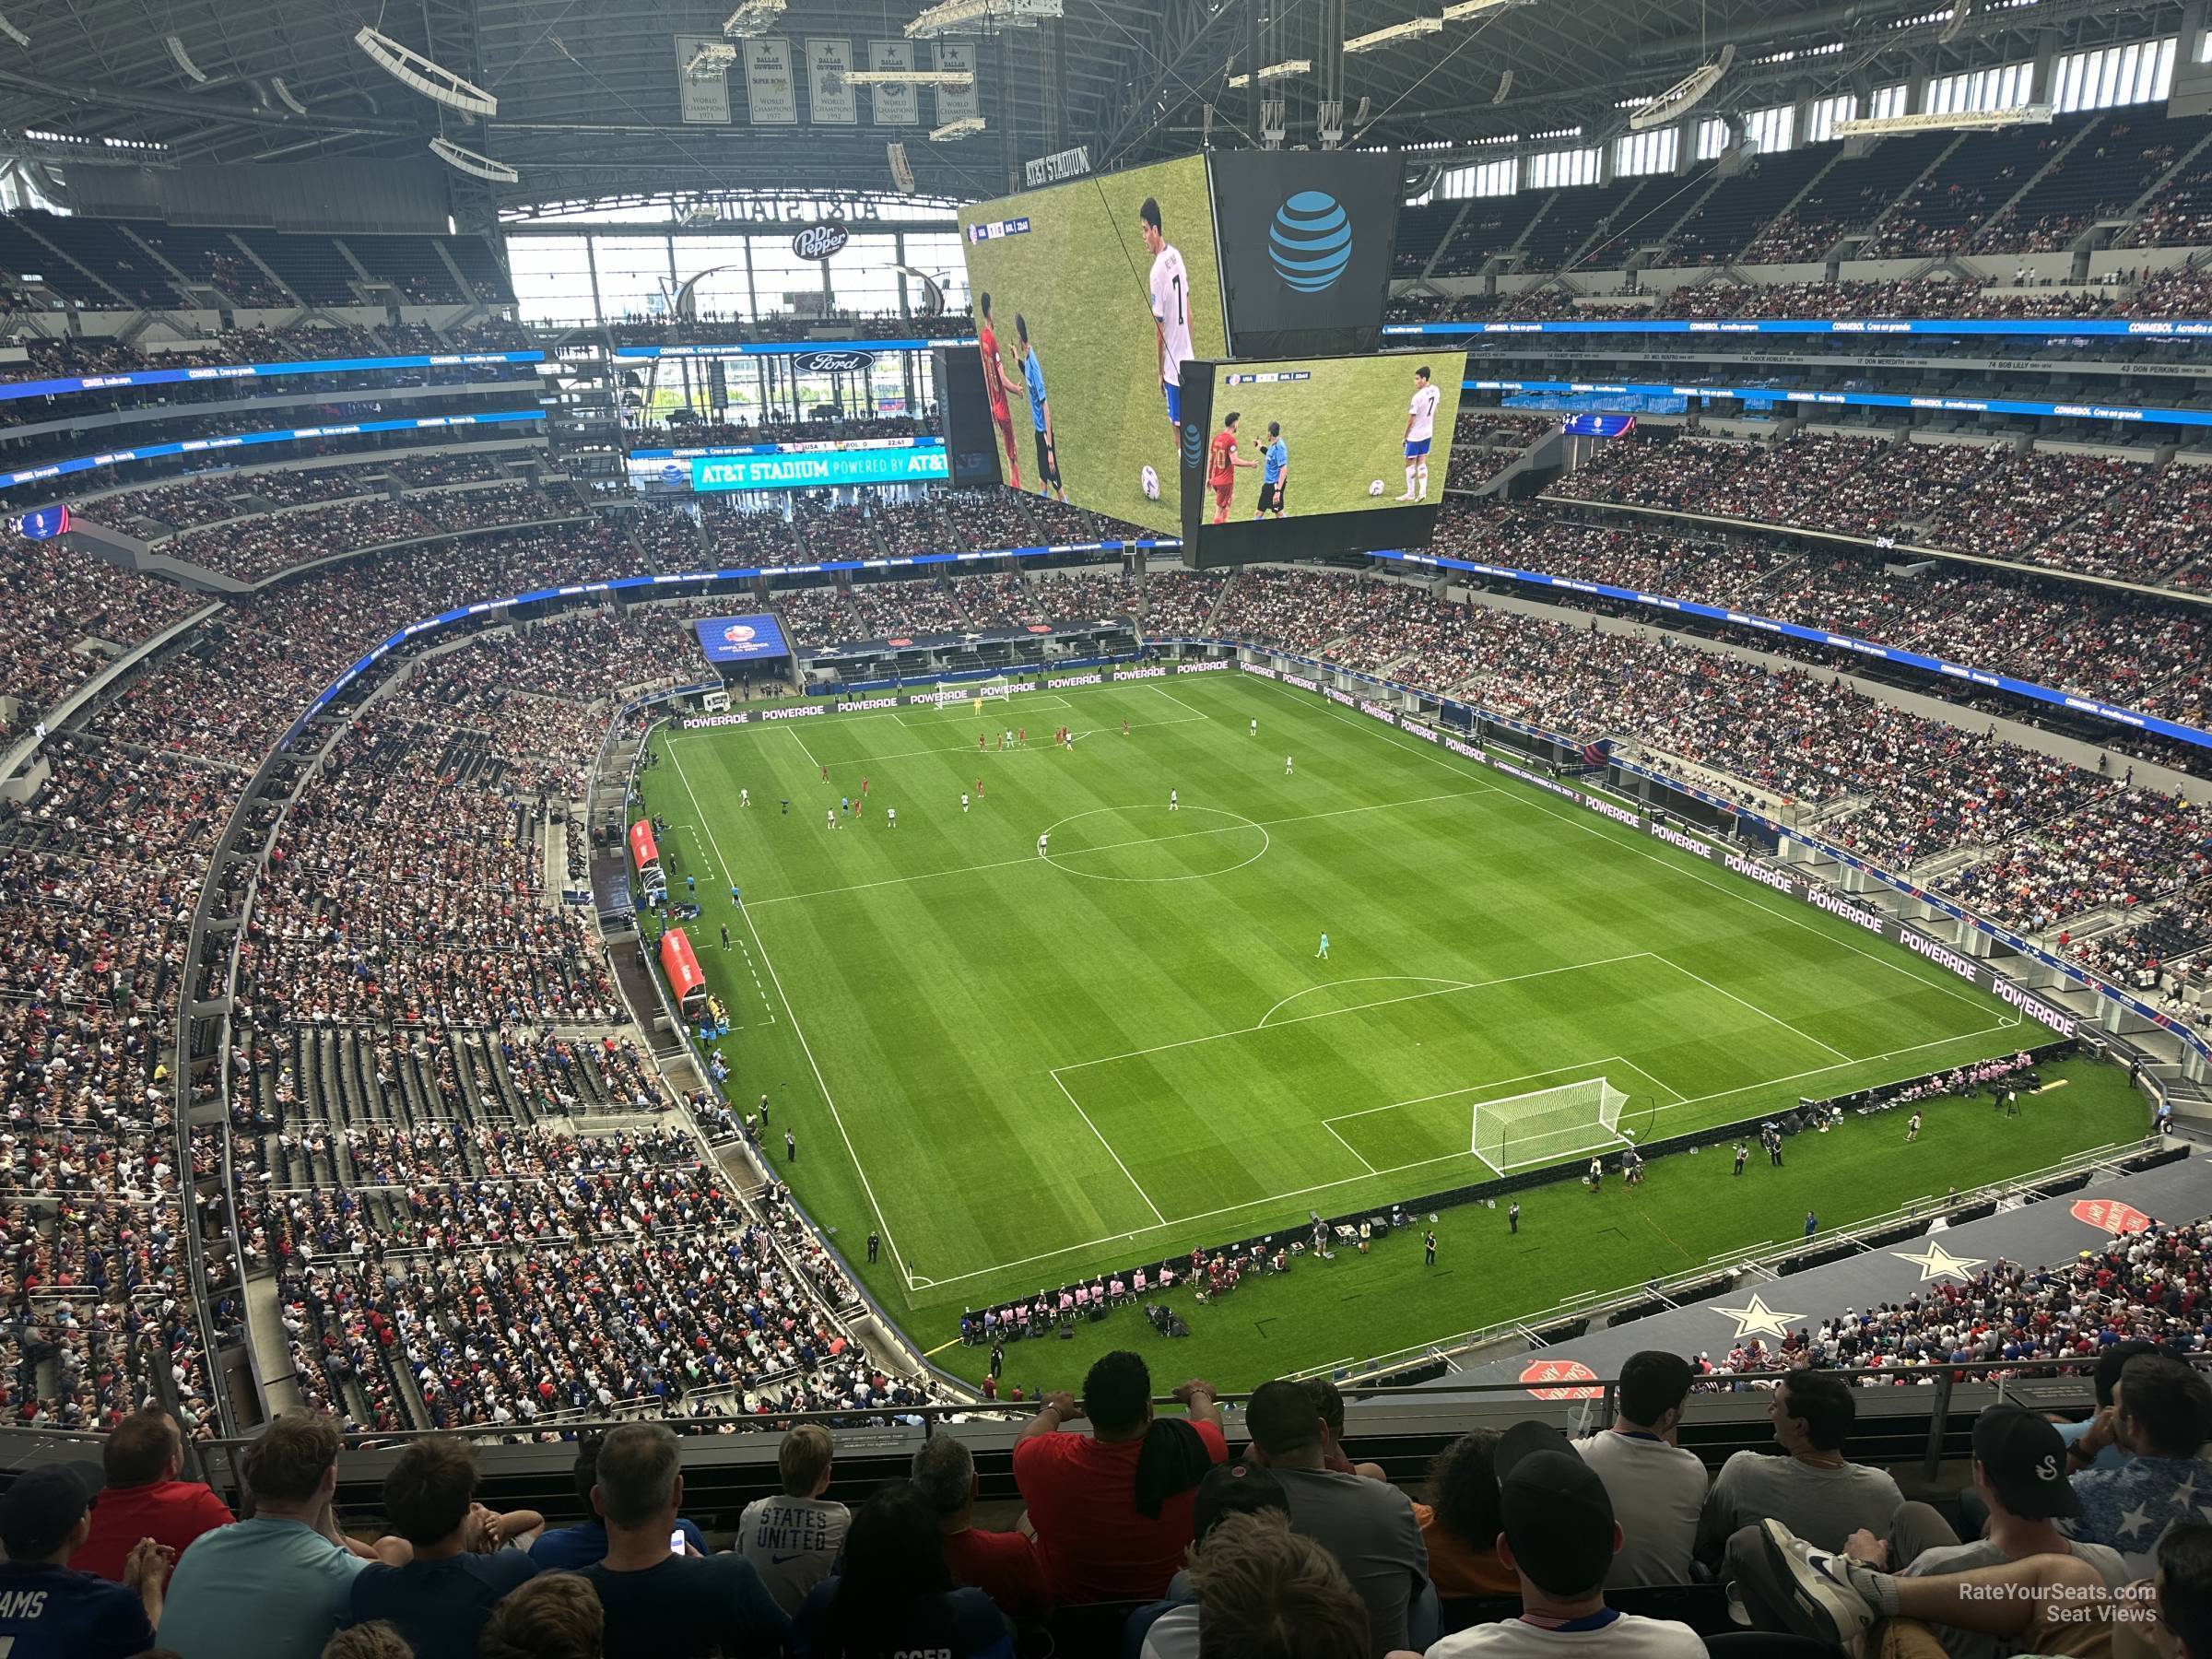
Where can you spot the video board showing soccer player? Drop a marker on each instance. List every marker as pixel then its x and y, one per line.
pixel 1091 296
pixel 1330 435
pixel 1314 458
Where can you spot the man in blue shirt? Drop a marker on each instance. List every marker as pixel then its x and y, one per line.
pixel 2159 1412
pixel 1041 413
pixel 570 1548
pixel 48 1611
pixel 1274 471
pixel 278 1586
pixel 441 1599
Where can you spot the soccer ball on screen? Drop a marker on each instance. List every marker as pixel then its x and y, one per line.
pixel 1376 488
pixel 1149 481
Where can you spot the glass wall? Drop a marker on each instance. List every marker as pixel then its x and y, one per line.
pixel 624 276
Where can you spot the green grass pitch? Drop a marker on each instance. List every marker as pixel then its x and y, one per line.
pixel 1024 1068
pixel 1079 276
pixel 1344 429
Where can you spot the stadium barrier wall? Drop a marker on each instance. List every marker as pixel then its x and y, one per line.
pixel 195 446
pixel 65 384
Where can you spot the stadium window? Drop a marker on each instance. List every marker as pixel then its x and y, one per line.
pixel 1653 152
pixel 1712 137
pixel 784 284
pixel 718 262
pixel 1821 118
pixel 1555 169
pixel 937 253
pixel 2110 76
pixel 1497 179
pixel 552 278
pixel 865 276
pixel 1888 101
pixel 1771 129
pixel 635 276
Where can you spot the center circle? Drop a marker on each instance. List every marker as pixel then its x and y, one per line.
pixel 1154 843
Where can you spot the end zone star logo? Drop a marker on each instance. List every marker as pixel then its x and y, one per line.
pixel 1553 1372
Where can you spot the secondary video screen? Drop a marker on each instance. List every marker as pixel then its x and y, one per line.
pixel 1089 298
pixel 1327 435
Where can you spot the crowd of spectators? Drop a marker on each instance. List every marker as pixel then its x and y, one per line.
pixel 2101 515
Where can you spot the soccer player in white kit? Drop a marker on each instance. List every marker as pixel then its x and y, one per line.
pixel 745 797
pixel 829 816
pixel 1169 290
pixel 1041 843
pixel 1286 766
pixel 1173 805
pixel 963 800
pixel 1255 728
pixel 891 817
pixel 1420 429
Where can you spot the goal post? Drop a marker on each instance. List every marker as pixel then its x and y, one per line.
pixel 1547 1125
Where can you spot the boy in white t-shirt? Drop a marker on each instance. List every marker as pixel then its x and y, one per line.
pixel 1559 1540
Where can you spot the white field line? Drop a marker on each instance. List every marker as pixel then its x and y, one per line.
pixel 1509 979
pixel 1141 841
pixel 1253 1203
pixel 1111 1153
pixel 1591 823
pixel 1581 1066
pixel 1178 701
pixel 1348 1145
pixel 1369 979
pixel 884 1227
pixel 794 730
pixel 1742 1002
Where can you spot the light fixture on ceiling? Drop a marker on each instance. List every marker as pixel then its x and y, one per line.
pixel 976 17
pixel 283 95
pixel 12 33
pixel 1684 95
pixel 1874 126
pixel 1461 9
pixel 753 18
pixel 1410 29
pixel 1505 87
pixel 1956 22
pixel 471 163
pixel 956 79
pixel 966 127
pixel 435 81
pixel 182 60
pixel 1286 70
pixel 709 59
pixel 902 174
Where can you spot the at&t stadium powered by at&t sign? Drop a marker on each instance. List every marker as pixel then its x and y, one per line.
pixel 789 465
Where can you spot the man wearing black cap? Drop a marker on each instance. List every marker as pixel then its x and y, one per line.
pixel 1367 1525
pixel 2019 1472
pixel 50 1612
pixel 1559 1541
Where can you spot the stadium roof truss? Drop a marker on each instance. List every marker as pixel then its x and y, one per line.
pixel 589 95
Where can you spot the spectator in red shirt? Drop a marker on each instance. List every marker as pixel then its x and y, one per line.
pixel 142 1498
pixel 1112 1509
pixel 1004 1566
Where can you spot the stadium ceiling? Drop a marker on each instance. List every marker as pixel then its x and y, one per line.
pixel 589 104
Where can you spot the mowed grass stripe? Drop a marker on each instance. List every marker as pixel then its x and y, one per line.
pixel 939 1004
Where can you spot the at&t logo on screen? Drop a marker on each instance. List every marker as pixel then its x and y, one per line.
pixel 1310 241
pixel 1194 444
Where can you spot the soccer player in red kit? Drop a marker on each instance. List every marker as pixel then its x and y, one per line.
pixel 979 788
pixel 864 786
pixel 825 774
pixel 979 748
pixel 995 385
pixel 1222 461
pixel 1025 737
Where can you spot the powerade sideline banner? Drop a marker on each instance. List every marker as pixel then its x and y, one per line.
pixel 740 638
pixel 944 696
pixel 1974 971
pixel 1305 240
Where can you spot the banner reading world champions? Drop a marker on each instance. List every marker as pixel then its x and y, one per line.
pixel 740 638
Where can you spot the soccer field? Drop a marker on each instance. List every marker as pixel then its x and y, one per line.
pixel 1023 1068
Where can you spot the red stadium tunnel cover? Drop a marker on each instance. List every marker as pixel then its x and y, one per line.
pixel 643 850
pixel 681 966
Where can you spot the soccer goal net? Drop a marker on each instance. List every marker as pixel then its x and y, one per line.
pixel 1548 1124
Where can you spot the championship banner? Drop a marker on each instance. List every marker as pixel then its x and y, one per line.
pixel 893 106
pixel 956 103
pixel 740 638
pixel 771 95
pixel 701 99
pixel 830 99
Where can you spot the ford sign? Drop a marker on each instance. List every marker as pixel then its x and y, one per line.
pixel 831 362
pixel 818 241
